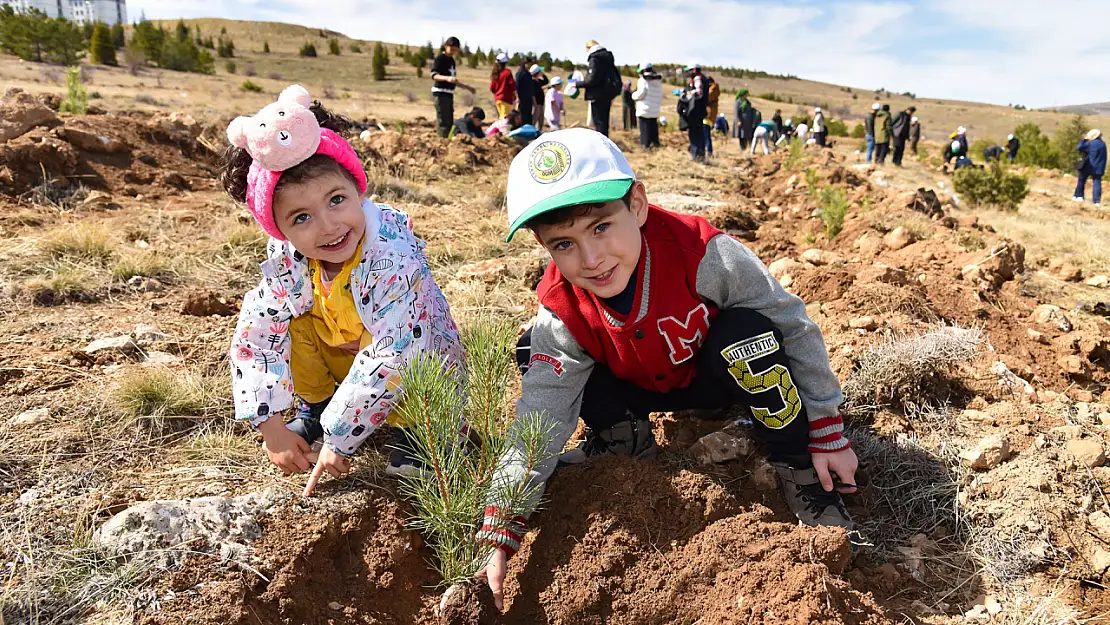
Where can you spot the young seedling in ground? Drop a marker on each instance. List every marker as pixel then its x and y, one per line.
pixel 461 425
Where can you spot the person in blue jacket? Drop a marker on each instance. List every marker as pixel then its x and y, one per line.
pixel 1092 165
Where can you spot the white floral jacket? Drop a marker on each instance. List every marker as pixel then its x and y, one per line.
pixel 398 302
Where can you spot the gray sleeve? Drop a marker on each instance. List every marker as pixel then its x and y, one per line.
pixel 732 276
pixel 553 388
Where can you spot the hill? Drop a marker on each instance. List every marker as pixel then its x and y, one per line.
pixel 1098 108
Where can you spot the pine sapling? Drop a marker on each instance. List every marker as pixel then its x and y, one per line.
pixel 77 97
pixel 461 426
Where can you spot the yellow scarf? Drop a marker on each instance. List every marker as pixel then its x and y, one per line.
pixel 333 306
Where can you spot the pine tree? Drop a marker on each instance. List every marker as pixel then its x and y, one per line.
pixel 118 39
pixel 265 47
pixel 77 99
pixel 333 46
pixel 182 31
pixel 450 497
pixel 377 62
pixel 100 46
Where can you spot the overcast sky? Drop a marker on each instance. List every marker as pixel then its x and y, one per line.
pixel 1032 52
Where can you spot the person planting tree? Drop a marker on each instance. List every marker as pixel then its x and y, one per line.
pixel 646 310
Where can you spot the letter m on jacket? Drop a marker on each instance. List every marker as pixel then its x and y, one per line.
pixel 683 337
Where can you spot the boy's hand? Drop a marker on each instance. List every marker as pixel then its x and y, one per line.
pixel 494 573
pixel 843 463
pixel 285 447
pixel 329 461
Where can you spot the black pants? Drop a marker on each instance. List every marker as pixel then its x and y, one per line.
pixel 899 151
pixel 780 417
pixel 745 141
pixel 599 110
pixel 525 109
pixel 881 150
pixel 649 132
pixel 820 137
pixel 913 147
pixel 696 133
pixel 445 113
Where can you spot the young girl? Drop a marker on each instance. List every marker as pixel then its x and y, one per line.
pixel 346 296
pixel 553 104
pixel 503 86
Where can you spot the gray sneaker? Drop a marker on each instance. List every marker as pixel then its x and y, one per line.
pixel 627 438
pixel 809 501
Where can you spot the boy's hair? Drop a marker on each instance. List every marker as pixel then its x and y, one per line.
pixel 237 161
pixel 567 214
pixel 451 41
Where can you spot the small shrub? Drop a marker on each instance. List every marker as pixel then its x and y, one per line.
pixel 333 47
pixel 101 49
pixel 65 284
pixel 833 209
pixel 356 48
pixel 859 132
pixel 145 264
pixel 811 182
pixel 156 392
pixel 796 155
pixel 772 96
pixel 230 67
pixel 146 98
pixel 76 101
pixel 992 186
pixel 251 86
pixel 86 243
pixel 308 50
pixel 378 62
pixel 265 47
pixel 837 128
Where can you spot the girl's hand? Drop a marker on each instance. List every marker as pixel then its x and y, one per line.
pixel 843 463
pixel 494 573
pixel 285 448
pixel 329 461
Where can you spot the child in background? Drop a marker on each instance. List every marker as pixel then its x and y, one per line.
pixel 503 86
pixel 644 310
pixel 346 296
pixel 553 105
pixel 505 125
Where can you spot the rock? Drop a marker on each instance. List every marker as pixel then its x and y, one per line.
pixel 898 238
pixel 144 284
pixel 1068 432
pixel 977 416
pixel 1099 560
pixel 1100 282
pixel 1100 523
pixel 335 605
pixel 166 529
pixel 175 180
pixel 994 608
pixel 720 447
pixel 988 454
pixel 486 271
pixel 784 266
pixel 20 112
pixel 1087 452
pixel 90 142
pixel 863 323
pixel 207 303
pixel 99 200
pixel 821 257
pixel 1049 315
pixel 763 476
pixel 1037 336
pixel 1073 365
pixel 160 359
pixel 146 334
pixel 925 201
pixel 117 344
pixel 1065 270
pixel 882 273
pixel 31 417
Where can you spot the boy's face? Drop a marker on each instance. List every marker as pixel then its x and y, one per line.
pixel 322 217
pixel 600 250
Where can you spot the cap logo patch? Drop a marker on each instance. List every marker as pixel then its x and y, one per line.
pixel 550 162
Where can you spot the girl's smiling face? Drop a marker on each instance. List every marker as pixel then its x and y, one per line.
pixel 322 217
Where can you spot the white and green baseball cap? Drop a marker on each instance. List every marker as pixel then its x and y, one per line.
pixel 565 168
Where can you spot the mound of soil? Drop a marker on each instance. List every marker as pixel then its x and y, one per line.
pixel 420 149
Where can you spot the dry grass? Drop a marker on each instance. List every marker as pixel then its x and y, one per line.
pixel 79 243
pixel 62 284
pixel 155 392
pixel 1046 233
pixel 145 264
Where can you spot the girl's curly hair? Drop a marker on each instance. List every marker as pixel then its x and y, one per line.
pixel 237 161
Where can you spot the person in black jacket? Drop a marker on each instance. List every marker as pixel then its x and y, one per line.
pixel 525 90
pixel 698 90
pixel 602 84
pixel 777 118
pixel 901 134
pixel 444 83
pixel 1012 147
pixel 471 123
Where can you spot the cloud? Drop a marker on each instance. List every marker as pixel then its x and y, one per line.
pixel 1002 51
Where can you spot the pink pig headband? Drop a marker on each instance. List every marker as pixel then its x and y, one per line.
pixel 280 136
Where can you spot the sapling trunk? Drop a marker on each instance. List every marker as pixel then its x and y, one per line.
pixel 461 426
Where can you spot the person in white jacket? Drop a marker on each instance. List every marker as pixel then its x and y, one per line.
pixel 820 131
pixel 649 99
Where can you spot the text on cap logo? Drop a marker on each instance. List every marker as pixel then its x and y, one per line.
pixel 550 161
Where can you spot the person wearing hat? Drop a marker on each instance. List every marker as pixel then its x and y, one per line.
pixel 1013 144
pixel 649 99
pixel 698 92
pixel 869 129
pixel 712 107
pixel 602 83
pixel 540 81
pixel 645 310
pixel 553 104
pixel 525 90
pixel 965 147
pixel 1092 165
pixel 502 85
pixel 915 135
pixel 884 132
pixel 901 134
pixel 745 119
pixel 820 130
pixel 628 107
pixel 471 123
pixel 444 82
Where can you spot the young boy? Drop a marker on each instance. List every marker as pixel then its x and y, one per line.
pixel 645 310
